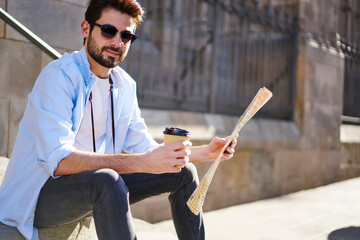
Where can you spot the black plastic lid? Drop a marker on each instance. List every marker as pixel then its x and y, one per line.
pixel 176 131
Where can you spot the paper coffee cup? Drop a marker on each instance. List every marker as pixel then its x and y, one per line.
pixel 174 135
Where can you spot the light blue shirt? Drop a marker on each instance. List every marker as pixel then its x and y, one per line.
pixel 48 129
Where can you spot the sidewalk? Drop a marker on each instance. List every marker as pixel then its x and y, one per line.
pixel 329 212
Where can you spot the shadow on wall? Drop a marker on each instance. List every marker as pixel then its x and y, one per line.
pixel 349 233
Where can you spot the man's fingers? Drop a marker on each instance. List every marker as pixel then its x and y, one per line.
pixel 182 160
pixel 179 145
pixel 227 155
pixel 179 163
pixel 176 169
pixel 181 153
pixel 230 150
pixel 234 142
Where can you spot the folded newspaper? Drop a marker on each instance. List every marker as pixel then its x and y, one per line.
pixel 197 198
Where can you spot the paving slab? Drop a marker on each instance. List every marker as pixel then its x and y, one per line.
pixel 330 212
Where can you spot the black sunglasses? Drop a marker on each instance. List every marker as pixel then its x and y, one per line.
pixel 109 31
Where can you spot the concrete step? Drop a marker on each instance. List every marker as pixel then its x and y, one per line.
pixel 148 231
pixel 85 229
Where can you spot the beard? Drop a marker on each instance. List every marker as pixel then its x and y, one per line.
pixel 97 54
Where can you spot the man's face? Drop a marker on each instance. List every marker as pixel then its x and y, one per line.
pixel 110 52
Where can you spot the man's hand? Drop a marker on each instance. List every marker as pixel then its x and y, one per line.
pixel 211 151
pixel 217 144
pixel 167 159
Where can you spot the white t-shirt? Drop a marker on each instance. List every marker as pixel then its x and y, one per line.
pixel 102 111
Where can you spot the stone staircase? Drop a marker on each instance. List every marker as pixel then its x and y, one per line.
pixel 85 228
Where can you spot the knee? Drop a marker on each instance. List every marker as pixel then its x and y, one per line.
pixel 189 174
pixel 188 180
pixel 108 181
pixel 105 177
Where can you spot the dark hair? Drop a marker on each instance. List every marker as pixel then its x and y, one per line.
pixel 97 7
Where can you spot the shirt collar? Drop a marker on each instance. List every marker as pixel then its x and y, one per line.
pixel 85 65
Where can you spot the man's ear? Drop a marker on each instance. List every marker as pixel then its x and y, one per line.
pixel 85 29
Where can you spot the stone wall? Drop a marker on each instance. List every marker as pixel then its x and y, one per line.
pixel 58 24
pixel 273 157
pixel 350 151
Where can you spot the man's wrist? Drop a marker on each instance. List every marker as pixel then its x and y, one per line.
pixel 200 153
pixel 130 163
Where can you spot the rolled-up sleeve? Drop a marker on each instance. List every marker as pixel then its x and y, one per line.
pixel 53 103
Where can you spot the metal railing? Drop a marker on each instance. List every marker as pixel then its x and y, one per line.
pixel 208 56
pixel 213 56
pixel 349 43
pixel 351 99
pixel 28 34
pixel 351 90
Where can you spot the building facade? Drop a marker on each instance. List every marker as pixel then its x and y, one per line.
pixel 199 63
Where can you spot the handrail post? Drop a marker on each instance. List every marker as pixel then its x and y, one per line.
pixel 214 82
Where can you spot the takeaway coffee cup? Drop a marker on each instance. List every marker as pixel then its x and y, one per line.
pixel 174 135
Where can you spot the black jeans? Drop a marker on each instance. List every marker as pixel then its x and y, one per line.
pixel 107 196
